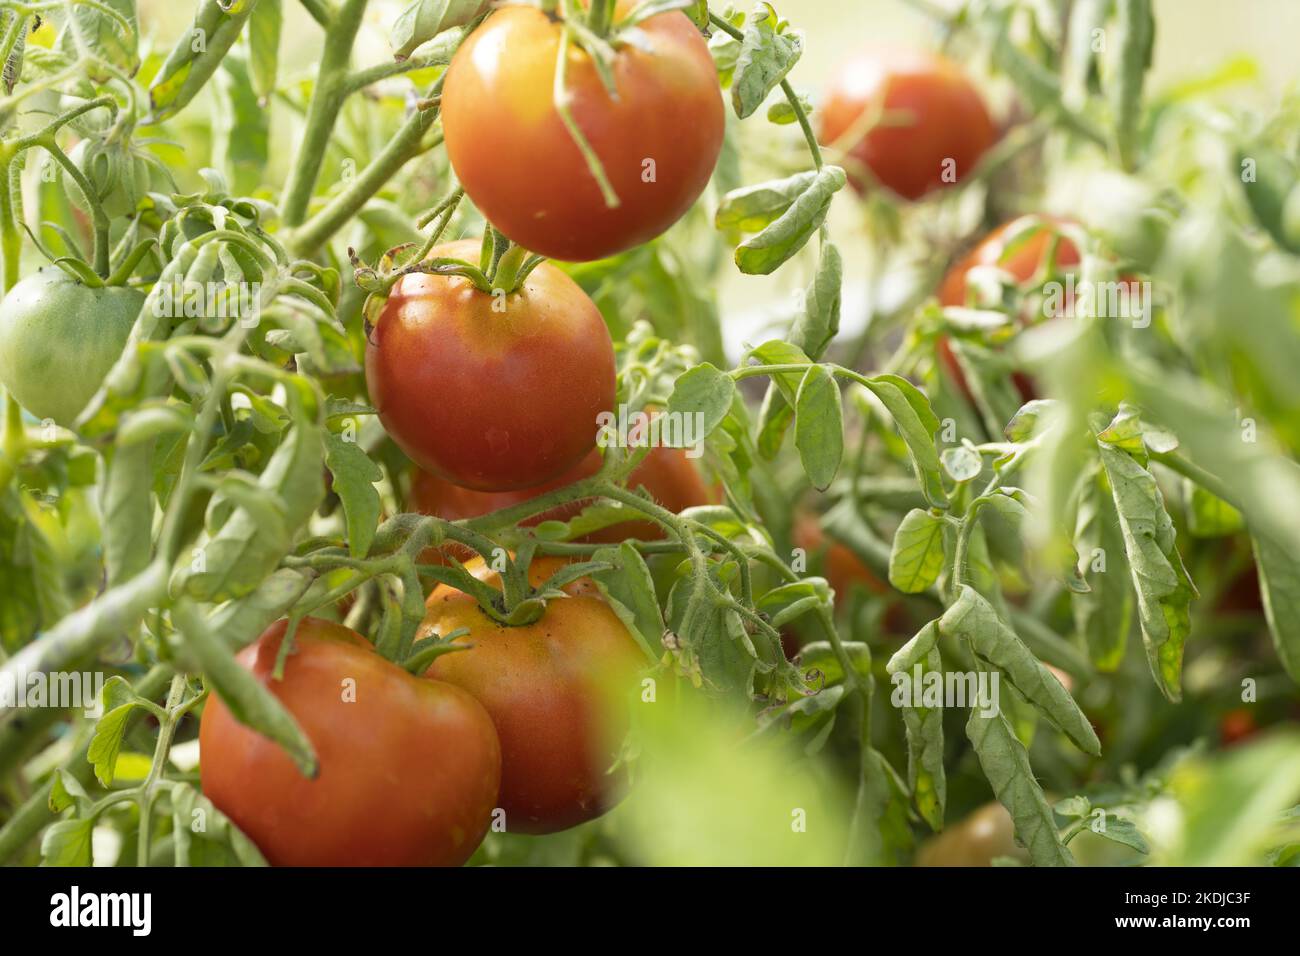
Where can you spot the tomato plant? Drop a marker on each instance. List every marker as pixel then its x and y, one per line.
pixel 367 720
pixel 946 516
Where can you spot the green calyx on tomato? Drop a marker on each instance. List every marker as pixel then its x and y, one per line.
pixel 588 162
pixel 59 336
pixel 409 767
pixel 491 392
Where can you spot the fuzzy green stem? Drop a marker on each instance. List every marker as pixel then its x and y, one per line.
pixel 149 789
pixel 326 101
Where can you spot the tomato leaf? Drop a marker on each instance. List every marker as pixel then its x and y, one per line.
pixel 119 701
pixel 917 556
pixel 241 125
pixel 971 618
pixel 68 843
pixel 767 53
pixel 1121 831
pixel 630 590
pixel 880 834
pixel 251 703
pixel 240 622
pixel 962 464
pixel 782 112
pixel 128 510
pixel 1208 515
pixel 778 352
pixel 425 19
pixel 812 331
pixel 819 426
pixel 918 425
pixel 703 391
pixel 107 32
pixel 1279 586
pixel 355 476
pixel 1267 178
pixel 236 559
pixel 924 728
pixel 750 208
pixel 763 253
pixel 13 66
pixel 1164 590
pixel 193 814
pixel 1024 424
pixel 187 69
pixel 1136 41
pixel 264 29
pixel 1006 765
pixel 66 791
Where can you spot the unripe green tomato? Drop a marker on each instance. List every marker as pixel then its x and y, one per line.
pixel 58 339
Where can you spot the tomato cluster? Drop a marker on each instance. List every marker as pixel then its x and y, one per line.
pixel 521 726
pixel 494 392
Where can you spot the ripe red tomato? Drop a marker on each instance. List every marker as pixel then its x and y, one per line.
pixel 934 119
pixel 553 689
pixel 666 473
pixel 658 140
pixel 409 768
pixel 491 398
pixel 1023 262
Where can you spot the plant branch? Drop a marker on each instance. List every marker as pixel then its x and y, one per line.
pixel 326 101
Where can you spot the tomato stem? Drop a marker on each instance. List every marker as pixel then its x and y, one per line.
pixel 97 216
pixel 600 16
pixel 323 111
pixel 13 442
pixel 800 114
pixel 561 95
pixel 148 791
